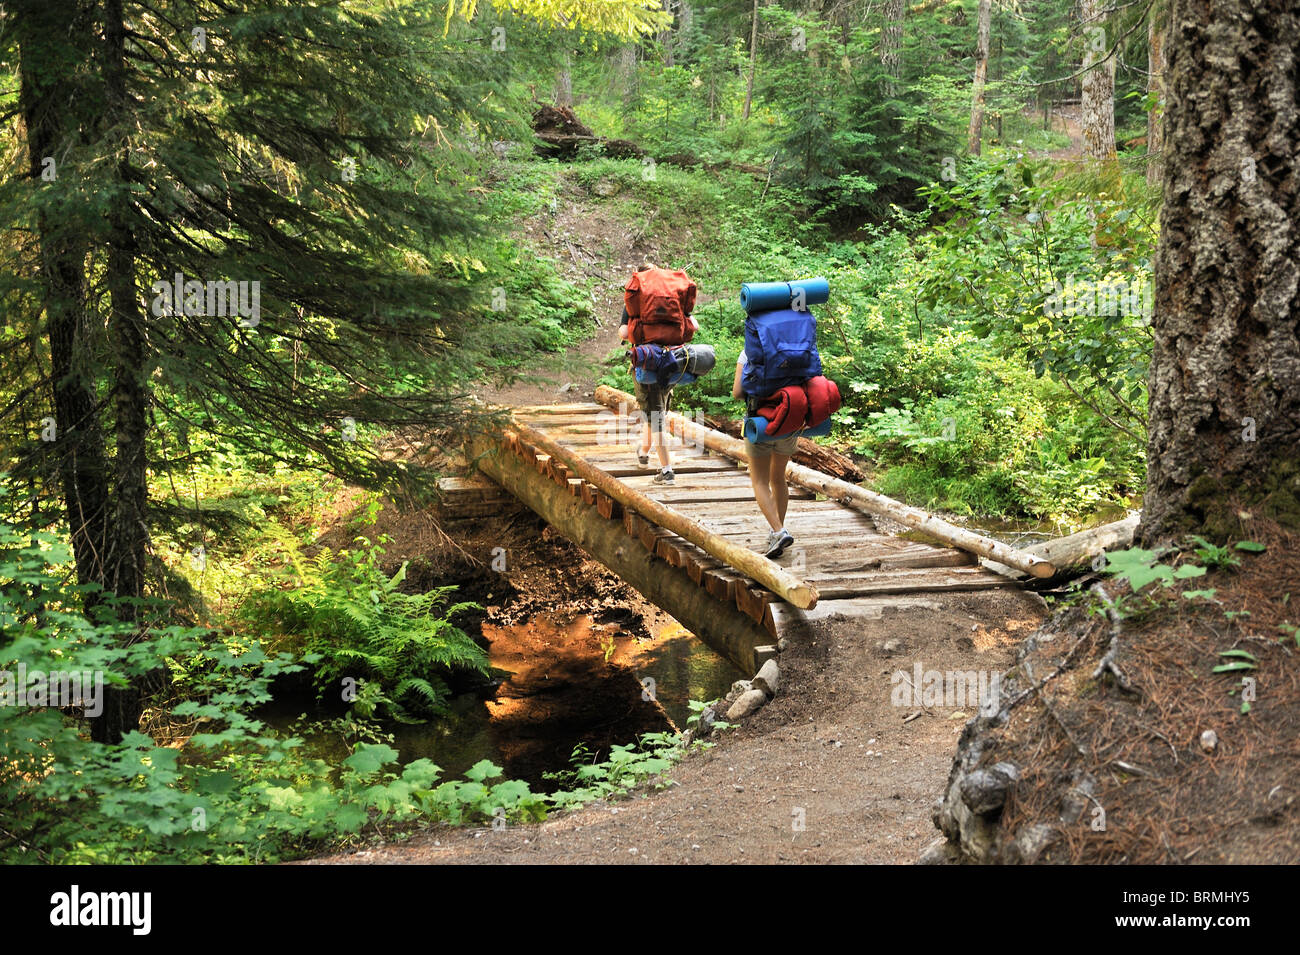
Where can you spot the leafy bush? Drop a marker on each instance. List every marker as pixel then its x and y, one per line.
pixel 229 792
pixel 1055 271
pixel 628 765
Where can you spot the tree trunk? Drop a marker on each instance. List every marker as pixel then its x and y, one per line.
pixel 43 34
pixel 665 37
pixel 1225 370
pixel 981 73
pixel 627 73
pixel 1156 92
pixel 564 82
pixel 891 45
pixel 1097 85
pixel 129 531
pixel 753 63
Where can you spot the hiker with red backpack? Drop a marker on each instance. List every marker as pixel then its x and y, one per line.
pixel 657 305
pixel 779 377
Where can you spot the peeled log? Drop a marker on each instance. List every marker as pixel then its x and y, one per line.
pixel 791 589
pixel 850 494
pixel 1071 555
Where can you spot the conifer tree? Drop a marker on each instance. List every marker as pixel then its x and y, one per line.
pixel 242 218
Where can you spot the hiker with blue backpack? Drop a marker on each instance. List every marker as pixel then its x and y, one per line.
pixel 657 323
pixel 779 377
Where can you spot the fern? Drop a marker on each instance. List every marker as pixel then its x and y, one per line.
pixel 363 626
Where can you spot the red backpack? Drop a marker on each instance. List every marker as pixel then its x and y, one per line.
pixel 659 302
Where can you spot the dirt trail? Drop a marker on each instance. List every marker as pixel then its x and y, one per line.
pixel 587 240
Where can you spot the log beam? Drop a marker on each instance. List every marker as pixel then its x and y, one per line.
pixel 1072 555
pixel 722 627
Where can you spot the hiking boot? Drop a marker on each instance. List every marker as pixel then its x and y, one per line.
pixel 777 542
pixel 664 477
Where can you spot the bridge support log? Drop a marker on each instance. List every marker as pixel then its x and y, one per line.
pixel 850 494
pixel 721 625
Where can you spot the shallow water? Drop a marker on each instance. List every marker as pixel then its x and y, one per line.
pixel 565 682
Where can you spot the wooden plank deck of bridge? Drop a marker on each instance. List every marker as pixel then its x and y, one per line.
pixel 838 549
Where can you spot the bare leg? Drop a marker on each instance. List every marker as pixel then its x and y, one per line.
pixel 660 443
pixel 763 493
pixel 780 490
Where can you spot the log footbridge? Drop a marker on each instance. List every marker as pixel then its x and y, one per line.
pixel 690 547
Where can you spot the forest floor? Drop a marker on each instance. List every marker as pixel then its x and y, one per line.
pixel 829 771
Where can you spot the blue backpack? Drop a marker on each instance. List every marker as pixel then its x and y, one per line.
pixel 780 350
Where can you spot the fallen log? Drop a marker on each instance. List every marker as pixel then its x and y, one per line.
pixel 566 145
pixel 1072 555
pixel 690 161
pixel 562 134
pixel 850 494
pixel 788 587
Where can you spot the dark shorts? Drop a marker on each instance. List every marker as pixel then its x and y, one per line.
pixel 653 402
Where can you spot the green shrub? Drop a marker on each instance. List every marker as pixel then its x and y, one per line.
pixel 231 791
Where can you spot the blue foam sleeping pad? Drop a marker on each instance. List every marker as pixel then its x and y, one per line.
pixel 771 296
pixel 756 430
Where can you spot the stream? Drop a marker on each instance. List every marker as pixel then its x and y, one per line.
pixel 564 680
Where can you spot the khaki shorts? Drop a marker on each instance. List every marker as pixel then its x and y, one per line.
pixel 653 402
pixel 764 449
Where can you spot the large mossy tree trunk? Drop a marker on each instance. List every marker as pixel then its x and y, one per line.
pixel 1225 371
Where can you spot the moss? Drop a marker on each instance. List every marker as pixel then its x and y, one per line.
pixel 1283 507
pixel 1220 508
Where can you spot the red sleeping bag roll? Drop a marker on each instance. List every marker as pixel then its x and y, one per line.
pixel 823 399
pixel 796 407
pixel 785 411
